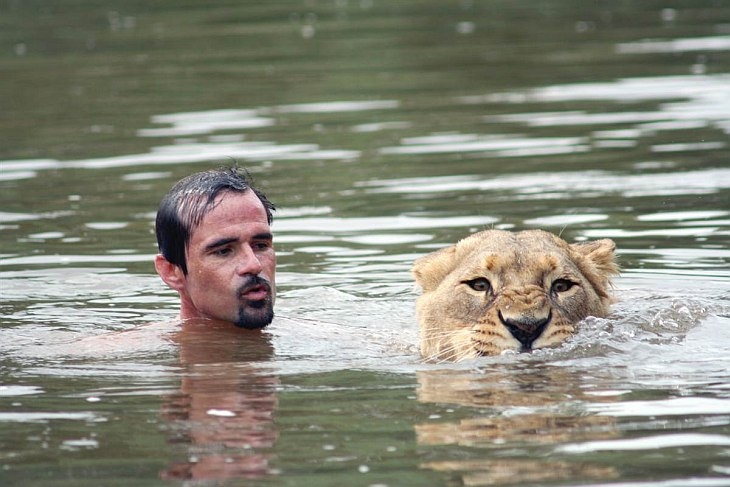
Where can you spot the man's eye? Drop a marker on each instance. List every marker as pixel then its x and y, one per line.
pixel 480 284
pixel 223 251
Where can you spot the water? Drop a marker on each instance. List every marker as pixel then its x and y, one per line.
pixel 382 130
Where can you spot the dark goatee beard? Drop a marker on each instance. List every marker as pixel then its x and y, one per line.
pixel 253 315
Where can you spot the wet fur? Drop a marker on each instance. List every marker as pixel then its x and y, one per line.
pixel 458 322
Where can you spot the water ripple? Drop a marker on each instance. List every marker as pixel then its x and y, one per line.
pixel 704 100
pixel 562 184
pixel 648 443
pixel 713 43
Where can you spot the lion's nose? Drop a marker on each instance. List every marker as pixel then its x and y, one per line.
pixel 526 329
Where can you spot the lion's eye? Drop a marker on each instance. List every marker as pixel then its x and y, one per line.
pixel 480 284
pixel 562 285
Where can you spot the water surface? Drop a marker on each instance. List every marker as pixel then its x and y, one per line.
pixel 382 131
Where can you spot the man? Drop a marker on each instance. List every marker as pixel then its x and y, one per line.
pixel 216 249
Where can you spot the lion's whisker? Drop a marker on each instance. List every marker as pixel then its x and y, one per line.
pixel 451 353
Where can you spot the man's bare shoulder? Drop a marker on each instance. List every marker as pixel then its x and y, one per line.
pixel 143 339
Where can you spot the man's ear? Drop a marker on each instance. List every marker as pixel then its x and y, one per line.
pixel 170 273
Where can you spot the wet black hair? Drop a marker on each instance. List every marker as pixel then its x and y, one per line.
pixel 190 199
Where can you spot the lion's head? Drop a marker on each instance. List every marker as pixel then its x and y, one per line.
pixel 496 290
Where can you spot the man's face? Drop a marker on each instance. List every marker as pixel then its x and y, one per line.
pixel 231 264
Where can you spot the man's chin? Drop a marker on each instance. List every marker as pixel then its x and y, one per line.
pixel 255 316
pixel 252 325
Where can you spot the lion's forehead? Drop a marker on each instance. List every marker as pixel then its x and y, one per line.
pixel 517 264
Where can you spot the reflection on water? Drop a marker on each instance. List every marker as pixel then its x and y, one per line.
pixel 221 419
pixel 382 131
pixel 527 409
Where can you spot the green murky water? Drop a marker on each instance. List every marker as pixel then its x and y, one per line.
pixel 382 131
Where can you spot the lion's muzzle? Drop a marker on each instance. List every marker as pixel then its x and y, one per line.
pixel 527 329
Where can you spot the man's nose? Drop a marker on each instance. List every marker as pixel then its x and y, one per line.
pixel 249 263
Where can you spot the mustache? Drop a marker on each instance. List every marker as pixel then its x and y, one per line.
pixel 252 282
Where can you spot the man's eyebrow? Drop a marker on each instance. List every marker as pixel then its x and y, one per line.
pixel 220 242
pixel 263 236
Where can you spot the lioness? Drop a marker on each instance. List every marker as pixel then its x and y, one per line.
pixel 496 291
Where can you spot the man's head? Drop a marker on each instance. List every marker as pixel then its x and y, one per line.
pixel 187 203
pixel 216 250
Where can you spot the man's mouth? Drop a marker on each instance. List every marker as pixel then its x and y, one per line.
pixel 256 291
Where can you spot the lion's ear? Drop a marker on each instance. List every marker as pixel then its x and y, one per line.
pixel 431 269
pixel 600 253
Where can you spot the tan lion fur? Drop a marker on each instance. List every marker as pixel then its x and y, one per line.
pixel 539 287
